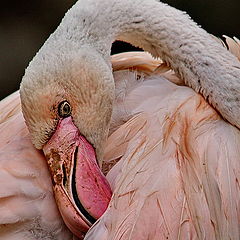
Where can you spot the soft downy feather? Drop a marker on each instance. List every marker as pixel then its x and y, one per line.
pixel 178 174
pixel 177 167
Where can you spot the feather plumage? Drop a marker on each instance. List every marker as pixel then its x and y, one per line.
pixel 27 206
pixel 178 173
pixel 175 166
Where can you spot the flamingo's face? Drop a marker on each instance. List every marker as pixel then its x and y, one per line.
pixel 66 103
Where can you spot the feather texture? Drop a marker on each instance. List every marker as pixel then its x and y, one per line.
pixel 177 171
pixel 175 174
pixel 27 205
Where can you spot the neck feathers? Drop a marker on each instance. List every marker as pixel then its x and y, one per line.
pixel 166 33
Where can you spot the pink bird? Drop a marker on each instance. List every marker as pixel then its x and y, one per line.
pixel 176 169
pixel 28 208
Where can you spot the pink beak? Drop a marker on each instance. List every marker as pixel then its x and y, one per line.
pixel 81 190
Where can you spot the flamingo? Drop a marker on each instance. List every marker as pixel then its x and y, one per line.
pixel 28 208
pixel 67 96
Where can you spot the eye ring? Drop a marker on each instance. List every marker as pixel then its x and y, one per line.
pixel 64 109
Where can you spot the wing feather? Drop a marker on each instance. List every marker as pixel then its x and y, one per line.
pixel 178 172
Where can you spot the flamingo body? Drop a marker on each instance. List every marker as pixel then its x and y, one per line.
pixel 71 78
pixel 178 173
pixel 173 160
pixel 27 205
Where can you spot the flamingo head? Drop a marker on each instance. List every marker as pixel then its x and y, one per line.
pixel 66 102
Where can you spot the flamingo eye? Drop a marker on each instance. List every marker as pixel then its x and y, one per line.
pixel 64 109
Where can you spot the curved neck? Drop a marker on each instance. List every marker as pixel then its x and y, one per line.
pixel 165 32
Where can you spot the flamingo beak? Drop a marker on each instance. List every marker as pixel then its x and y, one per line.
pixel 81 190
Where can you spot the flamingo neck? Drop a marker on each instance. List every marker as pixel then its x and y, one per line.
pixel 165 32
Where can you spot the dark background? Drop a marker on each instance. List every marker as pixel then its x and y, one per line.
pixel 25 25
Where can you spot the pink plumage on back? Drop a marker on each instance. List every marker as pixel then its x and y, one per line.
pixel 178 173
